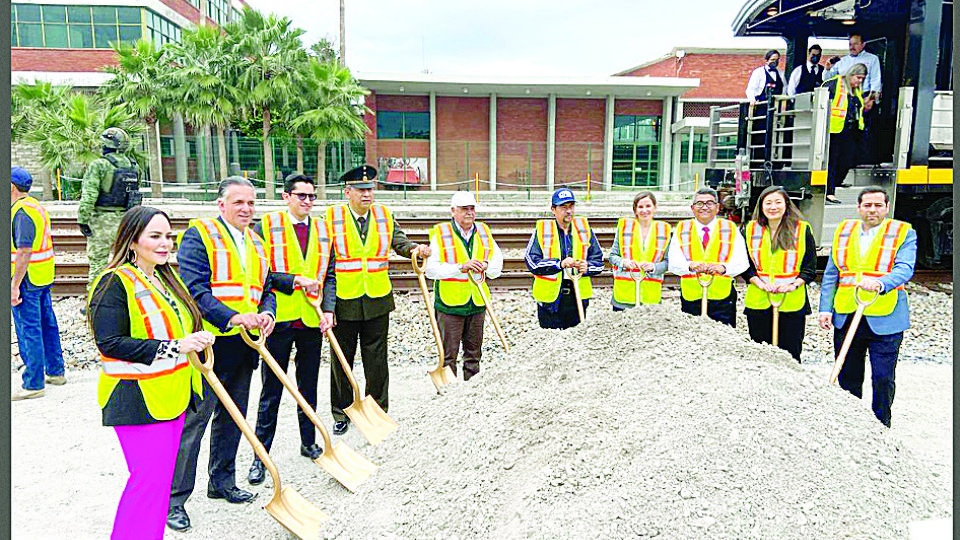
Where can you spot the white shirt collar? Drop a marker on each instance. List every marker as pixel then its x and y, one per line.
pixel 464 233
pixel 295 221
pixel 356 215
pixel 234 232
pixel 700 226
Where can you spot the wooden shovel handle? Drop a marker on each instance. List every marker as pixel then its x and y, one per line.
pixel 478 282
pixel 429 303
pixel 851 331
pixel 418 268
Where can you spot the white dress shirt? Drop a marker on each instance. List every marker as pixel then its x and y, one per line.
pixel 238 240
pixel 440 270
pixel 295 221
pixel 680 265
pixel 872 82
pixel 866 238
pixel 758 79
pixel 795 77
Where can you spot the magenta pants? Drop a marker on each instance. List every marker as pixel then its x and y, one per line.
pixel 151 454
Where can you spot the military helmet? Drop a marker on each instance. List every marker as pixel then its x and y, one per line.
pixel 115 138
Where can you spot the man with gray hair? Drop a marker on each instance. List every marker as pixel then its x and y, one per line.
pixel 708 248
pixel 224 266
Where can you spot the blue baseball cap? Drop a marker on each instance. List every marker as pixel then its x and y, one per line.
pixel 562 196
pixel 21 178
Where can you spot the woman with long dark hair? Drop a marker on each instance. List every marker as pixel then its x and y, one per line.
pixel 144 323
pixel 783 260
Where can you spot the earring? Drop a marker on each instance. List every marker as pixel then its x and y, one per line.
pixel 132 256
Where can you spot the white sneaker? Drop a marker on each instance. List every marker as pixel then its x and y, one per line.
pixel 23 394
pixel 56 380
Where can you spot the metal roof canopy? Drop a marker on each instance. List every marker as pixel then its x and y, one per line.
pixel 562 87
pixel 786 17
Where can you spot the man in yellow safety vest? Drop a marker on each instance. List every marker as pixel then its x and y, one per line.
pixel 361 235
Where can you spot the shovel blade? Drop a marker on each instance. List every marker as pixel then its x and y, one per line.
pixel 442 376
pixel 297 514
pixel 346 466
pixel 370 420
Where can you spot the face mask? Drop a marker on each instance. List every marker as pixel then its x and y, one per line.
pixel 815 59
pixel 772 65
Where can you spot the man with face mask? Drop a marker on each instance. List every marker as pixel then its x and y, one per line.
pixel 809 76
pixel 766 78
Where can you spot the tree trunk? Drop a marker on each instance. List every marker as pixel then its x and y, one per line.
pixel 299 154
pixel 268 177
pixel 180 149
pixel 156 162
pixel 321 170
pixel 222 150
pixel 48 181
pixel 209 170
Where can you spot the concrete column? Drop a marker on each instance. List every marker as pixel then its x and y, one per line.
pixel 492 166
pixel 551 139
pixel 608 145
pixel 690 152
pixel 180 148
pixel 666 141
pixel 433 141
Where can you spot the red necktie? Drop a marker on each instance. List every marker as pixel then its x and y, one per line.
pixel 706 236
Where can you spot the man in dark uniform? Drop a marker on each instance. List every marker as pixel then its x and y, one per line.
pixel 361 236
pixel 765 80
pixel 809 76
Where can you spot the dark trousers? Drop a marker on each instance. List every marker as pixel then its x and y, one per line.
pixel 792 328
pixel 372 335
pixel 280 343
pixel 562 313
pixel 456 329
pixel 234 363
pixel 724 311
pixel 844 149
pixel 38 336
pixel 883 364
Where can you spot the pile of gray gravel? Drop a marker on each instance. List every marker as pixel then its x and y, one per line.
pixel 642 424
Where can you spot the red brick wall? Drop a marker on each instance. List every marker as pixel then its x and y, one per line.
pixel 463 141
pixel 184 8
pixel 644 107
pixel 30 59
pixel 403 103
pixel 579 140
pixel 721 75
pixel 521 142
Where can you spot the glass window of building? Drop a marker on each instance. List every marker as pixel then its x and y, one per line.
pixel 403 125
pixel 636 150
pixel 76 27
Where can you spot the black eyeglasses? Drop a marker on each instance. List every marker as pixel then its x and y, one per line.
pixel 304 196
pixel 704 204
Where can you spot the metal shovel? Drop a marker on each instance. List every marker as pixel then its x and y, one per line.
pixel 851 331
pixel 287 506
pixel 775 304
pixel 575 275
pixel 705 280
pixel 443 374
pixel 477 282
pixel 365 413
pixel 340 461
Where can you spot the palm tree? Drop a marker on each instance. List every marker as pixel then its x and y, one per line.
pixel 201 83
pixel 270 52
pixel 336 113
pixel 142 81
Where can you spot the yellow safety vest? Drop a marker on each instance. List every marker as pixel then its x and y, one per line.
pixel 547 288
pixel 165 383
pixel 283 251
pixel 780 267
pixel 718 250
pixel 457 291
pixel 41 268
pixel 237 287
pixel 633 248
pixel 878 262
pixel 838 105
pixel 361 267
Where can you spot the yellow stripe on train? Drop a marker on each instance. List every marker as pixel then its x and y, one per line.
pixel 921 175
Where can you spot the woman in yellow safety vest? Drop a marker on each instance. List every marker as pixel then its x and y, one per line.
pixel 639 249
pixel 846 126
pixel 783 260
pixel 145 322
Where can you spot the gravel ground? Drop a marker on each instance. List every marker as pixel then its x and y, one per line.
pixel 710 436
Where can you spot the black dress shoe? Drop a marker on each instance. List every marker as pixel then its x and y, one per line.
pixel 339 428
pixel 313 451
pixel 177 518
pixel 233 495
pixel 833 201
pixel 256 475
pixel 844 185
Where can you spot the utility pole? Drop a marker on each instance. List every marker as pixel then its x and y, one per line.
pixel 343 43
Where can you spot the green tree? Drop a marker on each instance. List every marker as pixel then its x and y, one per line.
pixel 269 52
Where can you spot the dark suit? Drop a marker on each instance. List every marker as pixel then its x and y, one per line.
pixel 366 320
pixel 280 343
pixel 234 363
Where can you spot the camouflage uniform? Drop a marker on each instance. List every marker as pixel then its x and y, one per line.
pixel 103 221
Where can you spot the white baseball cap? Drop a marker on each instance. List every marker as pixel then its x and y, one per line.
pixel 462 198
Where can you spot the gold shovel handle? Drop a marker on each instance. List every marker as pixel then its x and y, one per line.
pixel 851 331
pixel 478 283
pixel 337 351
pixel 418 268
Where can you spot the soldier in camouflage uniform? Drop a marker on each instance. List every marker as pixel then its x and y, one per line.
pixel 99 223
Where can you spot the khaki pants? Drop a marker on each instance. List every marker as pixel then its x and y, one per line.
pixel 104 225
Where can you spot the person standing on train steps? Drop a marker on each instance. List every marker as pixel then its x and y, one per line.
pixel 809 76
pixel 846 126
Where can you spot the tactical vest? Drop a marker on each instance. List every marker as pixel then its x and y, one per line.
pixel 719 249
pixel 283 251
pixel 238 288
pixel 361 267
pixel 457 291
pixel 547 288
pixel 782 266
pixel 633 248
pixel 124 189
pixel 165 383
pixel 838 104
pixel 878 262
pixel 41 269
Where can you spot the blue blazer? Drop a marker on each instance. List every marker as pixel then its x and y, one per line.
pixel 903 265
pixel 195 272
